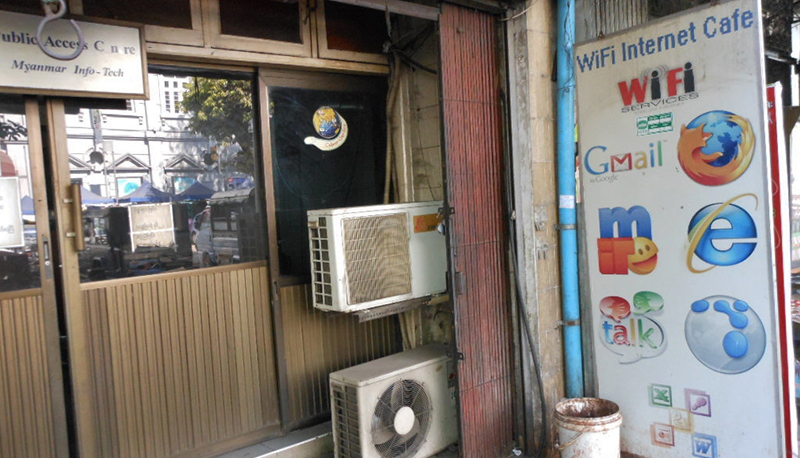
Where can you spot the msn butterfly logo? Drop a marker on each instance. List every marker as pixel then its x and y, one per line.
pixel 658 87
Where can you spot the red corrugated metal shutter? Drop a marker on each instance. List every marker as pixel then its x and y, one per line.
pixel 474 158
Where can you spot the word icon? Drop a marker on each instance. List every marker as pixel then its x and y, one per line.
pixel 730 341
pixel 704 446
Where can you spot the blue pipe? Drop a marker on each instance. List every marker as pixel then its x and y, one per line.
pixel 570 303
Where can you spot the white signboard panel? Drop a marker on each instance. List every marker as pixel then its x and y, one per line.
pixel 152 226
pixel 112 63
pixel 675 181
pixel 11 233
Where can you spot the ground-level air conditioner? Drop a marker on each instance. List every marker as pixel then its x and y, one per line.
pixel 400 406
pixel 363 257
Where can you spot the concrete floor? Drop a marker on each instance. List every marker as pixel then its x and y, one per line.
pixel 314 442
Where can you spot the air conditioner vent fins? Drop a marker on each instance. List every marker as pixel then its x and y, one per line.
pixel 344 404
pixel 320 257
pixel 378 261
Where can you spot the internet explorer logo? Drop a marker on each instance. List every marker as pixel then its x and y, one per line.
pixel 721 234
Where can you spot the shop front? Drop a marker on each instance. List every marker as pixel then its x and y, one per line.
pixel 155 289
pixel 139 263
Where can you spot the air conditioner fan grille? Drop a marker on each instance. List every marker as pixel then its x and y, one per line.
pixel 401 395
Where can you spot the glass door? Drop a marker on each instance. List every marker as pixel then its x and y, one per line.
pixel 166 288
pixel 31 389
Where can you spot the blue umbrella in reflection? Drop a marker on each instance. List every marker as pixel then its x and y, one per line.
pixel 197 191
pixel 90 198
pixel 146 193
pixel 26 205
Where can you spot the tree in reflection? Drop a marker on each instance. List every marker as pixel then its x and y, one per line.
pixel 10 130
pixel 222 110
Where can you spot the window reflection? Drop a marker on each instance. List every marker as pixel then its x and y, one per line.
pixel 19 253
pixel 170 183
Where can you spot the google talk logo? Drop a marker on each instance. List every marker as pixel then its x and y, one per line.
pixel 721 234
pixel 716 147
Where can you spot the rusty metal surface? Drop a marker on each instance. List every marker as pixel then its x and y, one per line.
pixel 477 230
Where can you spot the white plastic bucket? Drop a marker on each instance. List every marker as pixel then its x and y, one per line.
pixel 588 428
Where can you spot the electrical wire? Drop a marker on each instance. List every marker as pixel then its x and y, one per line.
pixel 521 304
pixel 521 308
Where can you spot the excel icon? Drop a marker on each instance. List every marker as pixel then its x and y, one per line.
pixel 660 395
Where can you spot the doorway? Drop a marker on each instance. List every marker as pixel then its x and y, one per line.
pixel 148 241
pixel 158 227
pixel 31 388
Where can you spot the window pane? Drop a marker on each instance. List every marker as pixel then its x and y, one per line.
pixel 167 190
pixel 307 177
pixel 171 13
pixel 19 248
pixel 369 36
pixel 265 19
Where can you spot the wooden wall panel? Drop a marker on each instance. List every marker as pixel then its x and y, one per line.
pixel 181 362
pixel 26 409
pixel 318 343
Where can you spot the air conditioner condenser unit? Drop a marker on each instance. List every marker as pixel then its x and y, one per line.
pixel 363 257
pixel 399 406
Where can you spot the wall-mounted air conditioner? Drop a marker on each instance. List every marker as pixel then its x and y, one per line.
pixel 400 406
pixel 363 257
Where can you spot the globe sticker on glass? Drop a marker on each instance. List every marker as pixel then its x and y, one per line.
pixel 329 125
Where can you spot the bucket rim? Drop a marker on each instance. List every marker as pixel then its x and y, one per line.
pixel 562 416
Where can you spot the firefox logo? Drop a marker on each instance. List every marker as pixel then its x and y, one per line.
pixel 716 148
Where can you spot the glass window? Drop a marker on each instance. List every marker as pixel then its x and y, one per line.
pixel 369 36
pixel 265 19
pixel 19 245
pixel 328 151
pixel 143 214
pixel 171 13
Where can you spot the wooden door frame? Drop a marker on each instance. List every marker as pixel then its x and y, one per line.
pixel 79 356
pixel 49 302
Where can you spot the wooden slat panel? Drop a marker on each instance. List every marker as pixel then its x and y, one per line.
pixel 318 343
pixel 182 362
pixel 26 427
pixel 474 164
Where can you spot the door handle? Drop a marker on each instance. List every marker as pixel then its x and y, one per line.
pixel 77 216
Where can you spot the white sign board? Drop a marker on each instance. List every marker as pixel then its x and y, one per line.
pixel 675 179
pixel 11 233
pixel 112 63
pixel 151 226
